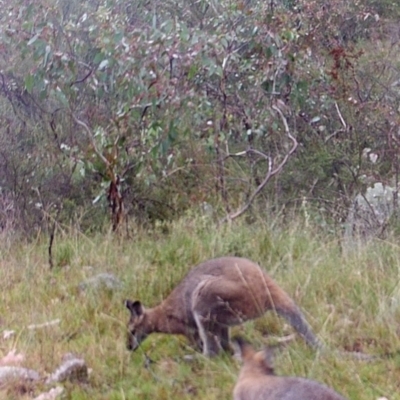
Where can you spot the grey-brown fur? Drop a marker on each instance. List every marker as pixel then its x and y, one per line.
pixel 213 296
pixel 257 381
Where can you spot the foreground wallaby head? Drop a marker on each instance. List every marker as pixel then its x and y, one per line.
pixel 137 327
pixel 257 380
pixel 213 296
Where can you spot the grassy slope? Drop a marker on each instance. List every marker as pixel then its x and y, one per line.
pixel 352 301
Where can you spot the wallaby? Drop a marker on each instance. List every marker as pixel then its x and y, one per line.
pixel 213 296
pixel 257 380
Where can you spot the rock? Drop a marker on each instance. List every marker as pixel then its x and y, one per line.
pixel 52 394
pixel 72 369
pixel 369 214
pixel 103 280
pixel 12 358
pixel 9 373
pixel 8 334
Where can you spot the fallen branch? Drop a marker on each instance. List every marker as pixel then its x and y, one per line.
pixel 44 325
pixel 271 170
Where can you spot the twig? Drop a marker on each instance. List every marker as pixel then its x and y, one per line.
pixel 82 79
pixel 91 138
pixel 340 116
pixel 271 170
pixel 114 196
pixel 52 234
pixel 333 135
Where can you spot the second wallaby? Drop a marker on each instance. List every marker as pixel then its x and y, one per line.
pixel 257 380
pixel 213 296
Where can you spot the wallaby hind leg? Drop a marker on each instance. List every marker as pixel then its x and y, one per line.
pixel 222 332
pixel 210 339
pixel 195 340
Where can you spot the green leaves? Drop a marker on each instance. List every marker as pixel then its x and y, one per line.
pixel 58 93
pixel 163 83
pixel 29 82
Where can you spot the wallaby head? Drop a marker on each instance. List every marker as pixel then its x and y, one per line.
pixel 257 380
pixel 137 329
pixel 257 361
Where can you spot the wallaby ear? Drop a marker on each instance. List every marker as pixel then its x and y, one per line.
pixel 243 349
pixel 135 307
pixel 267 357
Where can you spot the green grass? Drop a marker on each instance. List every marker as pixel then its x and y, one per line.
pixel 351 300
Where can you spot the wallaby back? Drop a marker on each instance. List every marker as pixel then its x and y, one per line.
pixel 214 295
pixel 257 380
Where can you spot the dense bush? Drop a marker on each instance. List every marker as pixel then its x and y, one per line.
pixel 153 109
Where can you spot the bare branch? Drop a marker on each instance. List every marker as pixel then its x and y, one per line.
pixel 114 196
pixel 271 170
pixel 292 139
pixel 340 116
pixel 91 138
pixel 246 152
pixel 82 79
pixel 333 135
pixel 242 210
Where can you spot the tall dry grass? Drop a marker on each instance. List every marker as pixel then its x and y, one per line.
pixel 352 301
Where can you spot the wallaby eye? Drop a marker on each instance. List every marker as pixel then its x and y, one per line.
pixel 132 331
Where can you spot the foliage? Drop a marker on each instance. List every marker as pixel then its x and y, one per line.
pixel 152 110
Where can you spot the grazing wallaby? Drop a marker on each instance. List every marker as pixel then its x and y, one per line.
pixel 257 380
pixel 214 295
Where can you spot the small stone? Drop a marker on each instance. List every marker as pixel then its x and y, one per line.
pixel 189 358
pixel 8 334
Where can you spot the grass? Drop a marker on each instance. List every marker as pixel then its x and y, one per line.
pixel 351 300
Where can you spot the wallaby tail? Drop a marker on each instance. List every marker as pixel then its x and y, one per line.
pixel 284 305
pixel 296 319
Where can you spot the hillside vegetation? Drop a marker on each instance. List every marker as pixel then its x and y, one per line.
pixel 146 110
pixel 140 138
pixel 351 300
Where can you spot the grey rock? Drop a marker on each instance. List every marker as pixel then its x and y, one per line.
pixel 369 214
pixel 9 372
pixel 189 358
pixel 72 369
pixel 52 394
pixel 101 281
